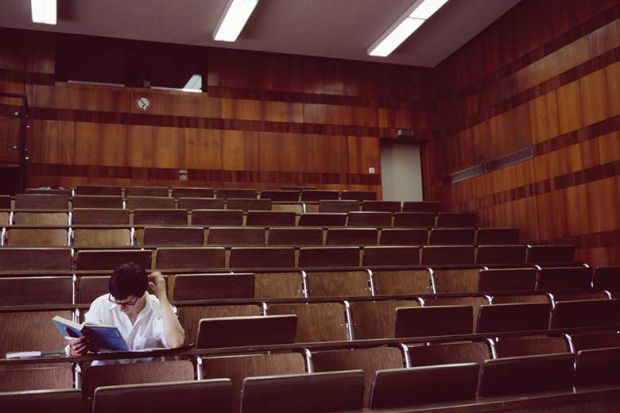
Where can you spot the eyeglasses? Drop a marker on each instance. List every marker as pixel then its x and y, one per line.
pixel 125 303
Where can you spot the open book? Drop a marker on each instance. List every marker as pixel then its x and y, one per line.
pixel 102 338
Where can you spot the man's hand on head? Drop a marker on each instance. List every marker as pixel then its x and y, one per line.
pixel 157 285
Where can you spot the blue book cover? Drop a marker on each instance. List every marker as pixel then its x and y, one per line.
pixel 102 338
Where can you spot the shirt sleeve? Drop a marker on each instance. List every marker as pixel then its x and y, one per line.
pixel 95 312
pixel 158 324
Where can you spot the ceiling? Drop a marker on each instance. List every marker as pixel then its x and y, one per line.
pixel 329 28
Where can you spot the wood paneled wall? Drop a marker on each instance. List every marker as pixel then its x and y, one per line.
pixel 545 75
pixel 266 120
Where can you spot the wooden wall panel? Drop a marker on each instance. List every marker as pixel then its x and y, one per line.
pixel 554 88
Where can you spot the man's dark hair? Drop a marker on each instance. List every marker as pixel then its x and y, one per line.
pixel 128 279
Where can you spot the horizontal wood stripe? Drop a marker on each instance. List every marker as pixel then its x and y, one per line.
pixel 8 75
pixel 580 135
pixel 217 123
pixel 559 42
pixel 584 176
pixel 115 172
pixel 543 88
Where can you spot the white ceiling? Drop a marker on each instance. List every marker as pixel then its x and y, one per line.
pixel 330 28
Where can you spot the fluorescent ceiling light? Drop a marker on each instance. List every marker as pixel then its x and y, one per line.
pixel 235 17
pixel 427 8
pixel 43 11
pixel 395 37
pixel 404 27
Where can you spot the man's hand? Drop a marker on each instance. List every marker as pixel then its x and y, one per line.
pixel 78 346
pixel 157 285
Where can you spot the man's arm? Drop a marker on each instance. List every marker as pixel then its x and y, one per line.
pixel 173 332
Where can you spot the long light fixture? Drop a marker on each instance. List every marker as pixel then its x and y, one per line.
pixel 235 17
pixel 44 11
pixel 404 27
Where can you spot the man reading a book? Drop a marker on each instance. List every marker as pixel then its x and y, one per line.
pixel 144 320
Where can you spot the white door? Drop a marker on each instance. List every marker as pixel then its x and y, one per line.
pixel 401 172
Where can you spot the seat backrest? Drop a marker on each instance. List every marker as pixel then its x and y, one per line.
pixel 328 284
pixel 190 315
pixel 226 193
pixel 40 201
pixel 236 236
pixel 585 313
pixel 376 319
pixel 448 255
pixel 160 217
pixel 513 317
pixel 49 401
pixel 101 237
pixel 597 367
pixel 421 354
pixel 41 218
pixel 97 201
pixel 564 279
pixel 198 258
pixel 607 278
pixel 475 301
pixel 39 377
pixel 189 192
pixel 188 287
pixel 358 195
pixel 457 280
pixel 98 190
pixel 315 321
pixel 266 257
pixel 30 331
pixel 381 206
pixel 334 205
pixel 35 259
pixel 397 282
pixel 304 393
pixel 88 216
pixel 296 207
pixel 422 385
pixel 550 254
pixel 452 236
pixel 158 191
pixel 271 218
pixel 248 204
pixel 351 236
pixel 36 291
pixel 530 346
pixel 246 331
pixel 456 220
pixel 317 257
pixel 526 375
pixel 91 287
pixel 237 368
pixel 433 321
pixel 278 285
pixel 317 195
pixel 597 339
pixel 389 255
pixel 295 236
pixel 210 217
pixel 330 219
pixel 497 236
pixel 369 219
pixel 507 279
pixel 427 206
pixel 183 396
pixel 403 236
pixel 136 373
pixel 368 360
pixel 149 202
pixel 110 259
pixel 200 203
pixel 501 254
pixel 280 195
pixel 414 219
pixel 174 236
pixel 37 237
